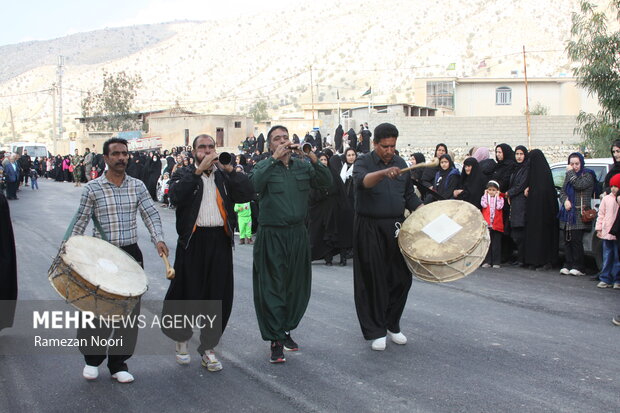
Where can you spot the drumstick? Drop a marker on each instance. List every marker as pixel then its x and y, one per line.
pixel 169 269
pixel 433 163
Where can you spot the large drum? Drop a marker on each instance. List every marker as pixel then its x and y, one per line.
pixel 444 241
pixel 94 275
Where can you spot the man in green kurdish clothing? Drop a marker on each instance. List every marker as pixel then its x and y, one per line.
pixel 282 268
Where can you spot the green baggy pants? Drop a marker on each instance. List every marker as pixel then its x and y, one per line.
pixel 282 277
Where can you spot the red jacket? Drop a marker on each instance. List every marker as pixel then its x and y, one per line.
pixel 488 204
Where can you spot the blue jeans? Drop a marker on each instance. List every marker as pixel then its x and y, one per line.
pixel 611 264
pixel 33 183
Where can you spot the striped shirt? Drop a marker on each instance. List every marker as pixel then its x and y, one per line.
pixel 115 208
pixel 209 214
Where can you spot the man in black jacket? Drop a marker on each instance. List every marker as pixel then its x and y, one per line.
pixel 205 194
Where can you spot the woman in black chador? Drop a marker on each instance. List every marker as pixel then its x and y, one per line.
pixel 8 266
pixel 518 202
pixel 542 226
pixel 322 220
pixel 152 174
pixel 341 167
pixel 472 184
pixel 338 138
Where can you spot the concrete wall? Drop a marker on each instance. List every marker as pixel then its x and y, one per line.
pixel 547 131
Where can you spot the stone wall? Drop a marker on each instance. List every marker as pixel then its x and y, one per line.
pixel 552 134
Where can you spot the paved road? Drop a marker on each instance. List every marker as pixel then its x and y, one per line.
pixel 500 340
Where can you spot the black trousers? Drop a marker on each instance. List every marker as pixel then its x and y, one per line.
pixel 494 255
pixel 518 236
pixel 381 279
pixel 204 271
pixel 129 335
pixel 11 189
pixel 573 249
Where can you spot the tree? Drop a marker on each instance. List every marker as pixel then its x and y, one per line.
pixel 112 109
pixel 258 111
pixel 596 50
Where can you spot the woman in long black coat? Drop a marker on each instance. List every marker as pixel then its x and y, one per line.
pixel 518 202
pixel 542 226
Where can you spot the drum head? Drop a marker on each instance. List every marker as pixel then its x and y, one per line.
pixel 105 266
pixel 420 246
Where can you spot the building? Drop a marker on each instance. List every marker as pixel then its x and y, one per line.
pixel 472 97
pixel 164 129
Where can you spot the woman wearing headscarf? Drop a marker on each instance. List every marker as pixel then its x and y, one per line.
pixel 338 138
pixel 615 155
pixel 322 228
pixel 472 183
pixel 352 139
pixel 260 143
pixel 341 167
pixel 152 174
pixel 446 179
pixel 575 195
pixel 487 165
pixel 505 158
pixel 518 202
pixel 541 227
pixel 428 174
pixel 57 172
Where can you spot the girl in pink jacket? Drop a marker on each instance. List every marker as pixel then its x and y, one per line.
pixel 609 275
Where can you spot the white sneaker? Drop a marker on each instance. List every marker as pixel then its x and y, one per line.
pixel 378 344
pixel 564 271
pixel 496 266
pixel 485 265
pixel 398 338
pixel 576 272
pixel 123 377
pixel 616 286
pixel 182 355
pixel 210 361
pixel 90 372
pixel 603 284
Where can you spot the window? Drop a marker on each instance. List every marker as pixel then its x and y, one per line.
pixel 440 95
pixel 237 125
pixel 503 96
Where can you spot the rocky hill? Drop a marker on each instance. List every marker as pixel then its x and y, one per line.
pixel 224 66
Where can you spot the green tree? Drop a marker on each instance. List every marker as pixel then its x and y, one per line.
pixel 258 111
pixel 595 48
pixel 112 108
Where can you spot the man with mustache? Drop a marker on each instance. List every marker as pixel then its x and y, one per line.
pixel 114 199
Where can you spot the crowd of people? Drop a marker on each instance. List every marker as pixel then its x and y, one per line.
pixel 298 201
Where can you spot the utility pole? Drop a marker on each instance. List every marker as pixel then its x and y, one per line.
pixel 60 69
pixel 53 93
pixel 12 124
pixel 527 104
pixel 312 95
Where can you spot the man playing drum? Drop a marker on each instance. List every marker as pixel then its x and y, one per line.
pixel 380 276
pixel 205 194
pixel 114 199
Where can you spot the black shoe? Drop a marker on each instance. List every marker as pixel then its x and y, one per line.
pixel 343 262
pixel 277 354
pixel 289 343
pixel 328 263
pixel 616 320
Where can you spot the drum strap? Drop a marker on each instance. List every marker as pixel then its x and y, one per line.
pixel 95 221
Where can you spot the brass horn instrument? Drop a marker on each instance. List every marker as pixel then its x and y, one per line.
pixel 431 164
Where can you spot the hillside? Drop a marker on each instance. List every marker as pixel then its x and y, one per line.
pixel 224 66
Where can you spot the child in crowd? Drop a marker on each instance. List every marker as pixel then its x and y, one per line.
pixel 93 173
pixel 492 203
pixel 244 215
pixel 609 275
pixel 34 176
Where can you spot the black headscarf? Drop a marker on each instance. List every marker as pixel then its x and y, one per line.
pixel 525 152
pixel 473 185
pixel 614 169
pixel 446 180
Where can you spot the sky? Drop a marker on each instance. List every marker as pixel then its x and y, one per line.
pixel 25 20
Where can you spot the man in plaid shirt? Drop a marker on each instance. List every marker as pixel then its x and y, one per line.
pixel 114 199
